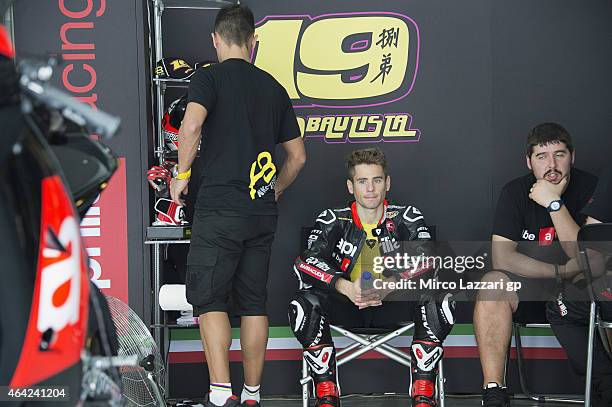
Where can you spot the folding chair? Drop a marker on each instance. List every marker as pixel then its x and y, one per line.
pixel 596 237
pixel 517 326
pixel 367 339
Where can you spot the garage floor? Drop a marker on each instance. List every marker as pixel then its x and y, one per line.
pixel 387 401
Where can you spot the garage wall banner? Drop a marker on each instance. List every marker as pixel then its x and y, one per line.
pixel 336 67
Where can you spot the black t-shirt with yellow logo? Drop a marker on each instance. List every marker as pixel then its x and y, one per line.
pixel 249 112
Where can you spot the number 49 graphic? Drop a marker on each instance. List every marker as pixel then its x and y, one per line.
pixel 340 60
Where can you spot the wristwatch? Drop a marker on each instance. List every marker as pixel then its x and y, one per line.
pixel 555 205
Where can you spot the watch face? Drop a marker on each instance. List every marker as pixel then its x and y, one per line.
pixel 555 206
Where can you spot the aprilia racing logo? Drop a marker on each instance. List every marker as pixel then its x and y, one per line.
pixel 346 248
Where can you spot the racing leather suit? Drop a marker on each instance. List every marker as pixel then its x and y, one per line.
pixel 336 241
pixel 333 247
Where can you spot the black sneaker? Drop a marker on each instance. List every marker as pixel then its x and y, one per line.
pixel 250 403
pixel 493 395
pixel 232 401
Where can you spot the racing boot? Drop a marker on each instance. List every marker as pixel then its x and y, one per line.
pixel 321 360
pixel 424 369
pixel 327 394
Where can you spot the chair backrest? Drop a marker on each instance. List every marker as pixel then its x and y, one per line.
pixel 596 237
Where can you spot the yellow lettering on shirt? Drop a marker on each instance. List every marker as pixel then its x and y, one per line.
pixel 264 168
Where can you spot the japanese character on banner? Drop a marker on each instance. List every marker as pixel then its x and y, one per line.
pixel 388 37
pixel 385 68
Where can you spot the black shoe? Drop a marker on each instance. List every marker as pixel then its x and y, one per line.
pixel 232 401
pixel 250 403
pixel 493 395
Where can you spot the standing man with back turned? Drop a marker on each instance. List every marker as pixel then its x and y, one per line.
pixel 243 113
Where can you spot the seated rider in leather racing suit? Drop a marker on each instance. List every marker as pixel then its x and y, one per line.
pixel 343 244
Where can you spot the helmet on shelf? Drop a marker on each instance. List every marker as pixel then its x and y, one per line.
pixel 173 68
pixel 171 122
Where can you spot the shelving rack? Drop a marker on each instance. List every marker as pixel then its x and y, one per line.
pixel 160 6
pixel 158 236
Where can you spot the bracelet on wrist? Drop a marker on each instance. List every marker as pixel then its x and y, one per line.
pixel 184 175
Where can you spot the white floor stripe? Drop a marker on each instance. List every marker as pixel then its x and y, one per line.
pixel 404 341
